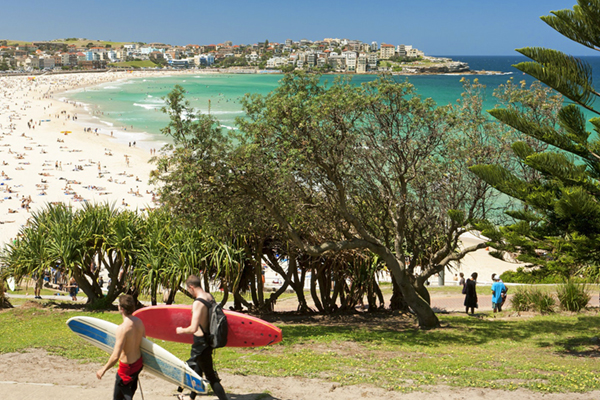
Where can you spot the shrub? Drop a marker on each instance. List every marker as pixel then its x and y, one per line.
pixel 519 300
pixel 540 301
pixel 532 299
pixel 573 296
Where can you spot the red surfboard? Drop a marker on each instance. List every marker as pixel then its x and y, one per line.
pixel 243 330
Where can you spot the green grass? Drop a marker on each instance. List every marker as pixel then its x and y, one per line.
pixel 134 64
pixel 555 353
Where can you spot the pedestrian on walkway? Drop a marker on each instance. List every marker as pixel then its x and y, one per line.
pixel 471 294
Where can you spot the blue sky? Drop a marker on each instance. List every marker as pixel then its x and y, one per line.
pixel 438 27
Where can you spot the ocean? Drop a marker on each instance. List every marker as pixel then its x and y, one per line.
pixel 135 104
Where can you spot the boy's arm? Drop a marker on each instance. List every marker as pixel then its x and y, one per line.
pixel 114 357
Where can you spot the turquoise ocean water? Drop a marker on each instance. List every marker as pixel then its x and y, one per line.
pixel 136 103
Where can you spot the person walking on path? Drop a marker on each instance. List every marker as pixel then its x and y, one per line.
pixel 127 351
pixel 471 294
pixel 498 289
pixel 201 355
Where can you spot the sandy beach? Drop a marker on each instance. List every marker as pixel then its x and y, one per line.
pixel 53 150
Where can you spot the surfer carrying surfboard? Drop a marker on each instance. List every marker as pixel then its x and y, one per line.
pixel 127 351
pixel 201 355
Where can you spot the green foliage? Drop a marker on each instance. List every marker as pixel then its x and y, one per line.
pixel 532 299
pixel 573 296
pixel 556 164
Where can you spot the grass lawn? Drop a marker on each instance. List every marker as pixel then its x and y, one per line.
pixel 553 353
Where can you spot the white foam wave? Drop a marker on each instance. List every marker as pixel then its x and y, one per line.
pixel 147 106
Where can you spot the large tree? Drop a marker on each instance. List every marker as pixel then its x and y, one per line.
pixel 335 168
pixel 561 212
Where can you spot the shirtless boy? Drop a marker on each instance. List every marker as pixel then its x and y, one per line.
pixel 127 351
pixel 201 354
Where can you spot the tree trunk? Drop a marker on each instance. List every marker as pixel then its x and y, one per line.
pixel 225 293
pixel 4 303
pixel 291 278
pixel 421 289
pixel 85 286
pixel 313 291
pixel 425 315
pixel 397 302
pixel 259 273
pixel 324 288
pixel 377 290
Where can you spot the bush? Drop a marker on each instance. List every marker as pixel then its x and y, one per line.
pixel 540 301
pixel 532 299
pixel 519 301
pixel 537 275
pixel 573 296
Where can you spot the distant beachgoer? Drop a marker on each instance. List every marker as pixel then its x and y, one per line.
pixel 461 281
pixel 498 288
pixel 73 289
pixel 471 294
pixel 127 351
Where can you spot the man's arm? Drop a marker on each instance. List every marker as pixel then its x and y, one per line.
pixel 114 357
pixel 197 308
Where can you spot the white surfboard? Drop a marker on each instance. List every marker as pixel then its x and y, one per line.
pixel 157 360
pixel 11 283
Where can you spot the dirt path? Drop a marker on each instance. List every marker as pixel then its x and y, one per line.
pixel 38 375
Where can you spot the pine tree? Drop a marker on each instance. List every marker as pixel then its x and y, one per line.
pixel 561 209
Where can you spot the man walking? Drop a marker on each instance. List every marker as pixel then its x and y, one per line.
pixel 201 354
pixel 498 288
pixel 127 351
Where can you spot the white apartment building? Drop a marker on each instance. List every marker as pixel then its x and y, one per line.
pixel 403 49
pixel 386 51
pixel 372 61
pixel 276 62
pixel 350 60
pixel 252 58
pixel 361 63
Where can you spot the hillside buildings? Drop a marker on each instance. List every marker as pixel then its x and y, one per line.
pixel 327 55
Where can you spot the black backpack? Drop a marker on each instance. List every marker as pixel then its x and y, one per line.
pixel 217 324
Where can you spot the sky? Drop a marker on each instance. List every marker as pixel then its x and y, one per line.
pixel 437 27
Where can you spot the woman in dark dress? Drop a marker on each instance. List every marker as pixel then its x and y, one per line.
pixel 471 294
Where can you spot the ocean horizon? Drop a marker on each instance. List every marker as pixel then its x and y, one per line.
pixel 132 106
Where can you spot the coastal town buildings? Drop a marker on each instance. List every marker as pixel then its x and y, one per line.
pixel 327 55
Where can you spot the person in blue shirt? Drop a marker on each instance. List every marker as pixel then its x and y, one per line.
pixel 497 289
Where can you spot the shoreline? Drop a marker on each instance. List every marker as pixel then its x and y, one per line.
pixel 46 157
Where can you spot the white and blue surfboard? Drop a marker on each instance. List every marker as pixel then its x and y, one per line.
pixel 157 360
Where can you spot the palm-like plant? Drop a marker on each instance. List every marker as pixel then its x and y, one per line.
pixel 154 255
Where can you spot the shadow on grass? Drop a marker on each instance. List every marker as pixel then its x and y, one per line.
pixel 475 330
